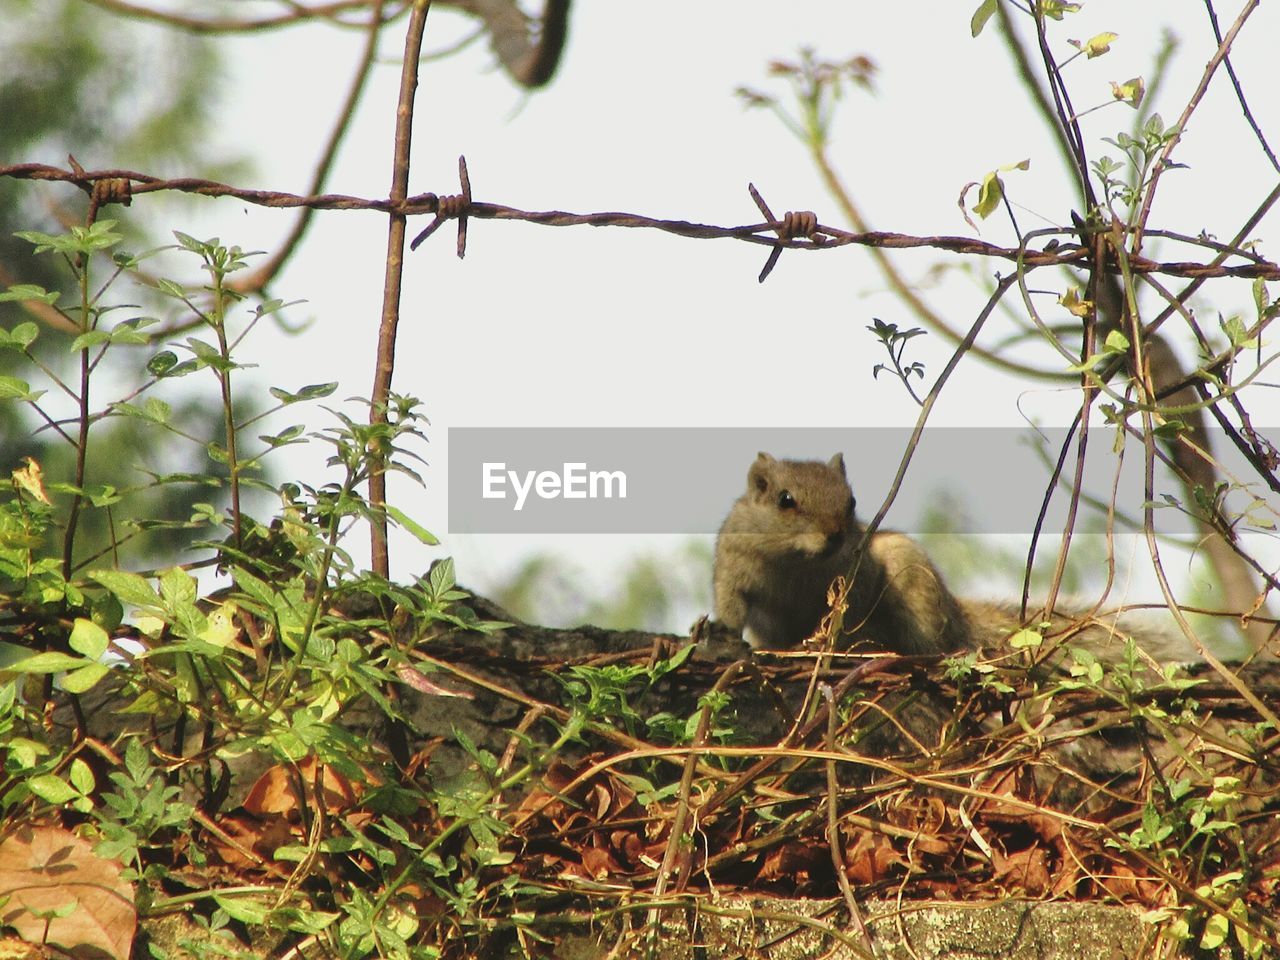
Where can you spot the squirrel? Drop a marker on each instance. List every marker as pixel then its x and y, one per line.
pixel 792 533
pixel 795 530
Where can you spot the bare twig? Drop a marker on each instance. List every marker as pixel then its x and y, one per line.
pixel 394 272
pixel 1161 164
pixel 296 13
pixel 1235 83
pixel 263 274
pixel 679 823
pixel 833 826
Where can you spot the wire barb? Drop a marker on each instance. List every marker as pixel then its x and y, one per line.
pixel 116 190
pixel 793 225
pixel 451 207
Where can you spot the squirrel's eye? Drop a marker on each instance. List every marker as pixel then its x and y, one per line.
pixel 786 501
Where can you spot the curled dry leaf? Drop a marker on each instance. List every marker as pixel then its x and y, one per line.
pixel 418 681
pixel 872 858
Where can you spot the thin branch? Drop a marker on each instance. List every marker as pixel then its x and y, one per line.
pixel 297 14
pixel 1235 82
pixel 1180 127
pixel 262 275
pixel 394 275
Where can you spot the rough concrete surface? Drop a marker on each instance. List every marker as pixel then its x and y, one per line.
pixel 780 929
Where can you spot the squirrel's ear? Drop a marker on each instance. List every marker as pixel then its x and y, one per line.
pixel 837 463
pixel 758 475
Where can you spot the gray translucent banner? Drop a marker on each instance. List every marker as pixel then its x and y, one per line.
pixel 683 480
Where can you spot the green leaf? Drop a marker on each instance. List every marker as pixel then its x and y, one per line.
pixel 96 236
pixel 106 611
pixel 1261 299
pixel 422 533
pixel 663 667
pixel 90 338
pixel 1096 45
pixel 125 409
pixel 18 659
pixel 29 291
pixel 177 587
pixel 162 363
pixel 81 776
pixel 1054 9
pixel 1075 304
pixel 26 753
pixel 441 576
pixel 1117 342
pixel 205 352
pixel 1026 638
pixel 85 678
pixel 273 306
pixel 980 16
pixel 310 392
pixel 243 909
pixel 184 368
pixel 1088 363
pixel 11 388
pixel 103 495
pixel 157 410
pixel 89 639
pixel 254 587
pixel 128 333
pixel 1216 929
pixel 1131 91
pixel 285 437
pixel 51 789
pixel 24 334
pixel 195 246
pixel 129 587
pixel 989 195
pixel 1237 333
pixel 168 287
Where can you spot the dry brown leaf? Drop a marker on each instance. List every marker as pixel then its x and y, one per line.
pixel 254 841
pixel 1025 870
pixel 47 869
pixel 603 799
pixel 412 677
pixel 628 844
pixel 1122 882
pixel 796 862
pixel 871 858
pixel 599 863
pixel 274 791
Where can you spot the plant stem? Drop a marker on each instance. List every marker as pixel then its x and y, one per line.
pixel 392 280
pixel 82 440
pixel 219 322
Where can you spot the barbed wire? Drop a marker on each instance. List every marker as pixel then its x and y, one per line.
pixel 795 231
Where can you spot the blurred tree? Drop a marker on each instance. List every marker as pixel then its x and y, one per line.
pixel 664 592
pixel 76 80
pixel 127 85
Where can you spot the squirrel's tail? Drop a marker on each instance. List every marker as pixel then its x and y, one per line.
pixel 1104 634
